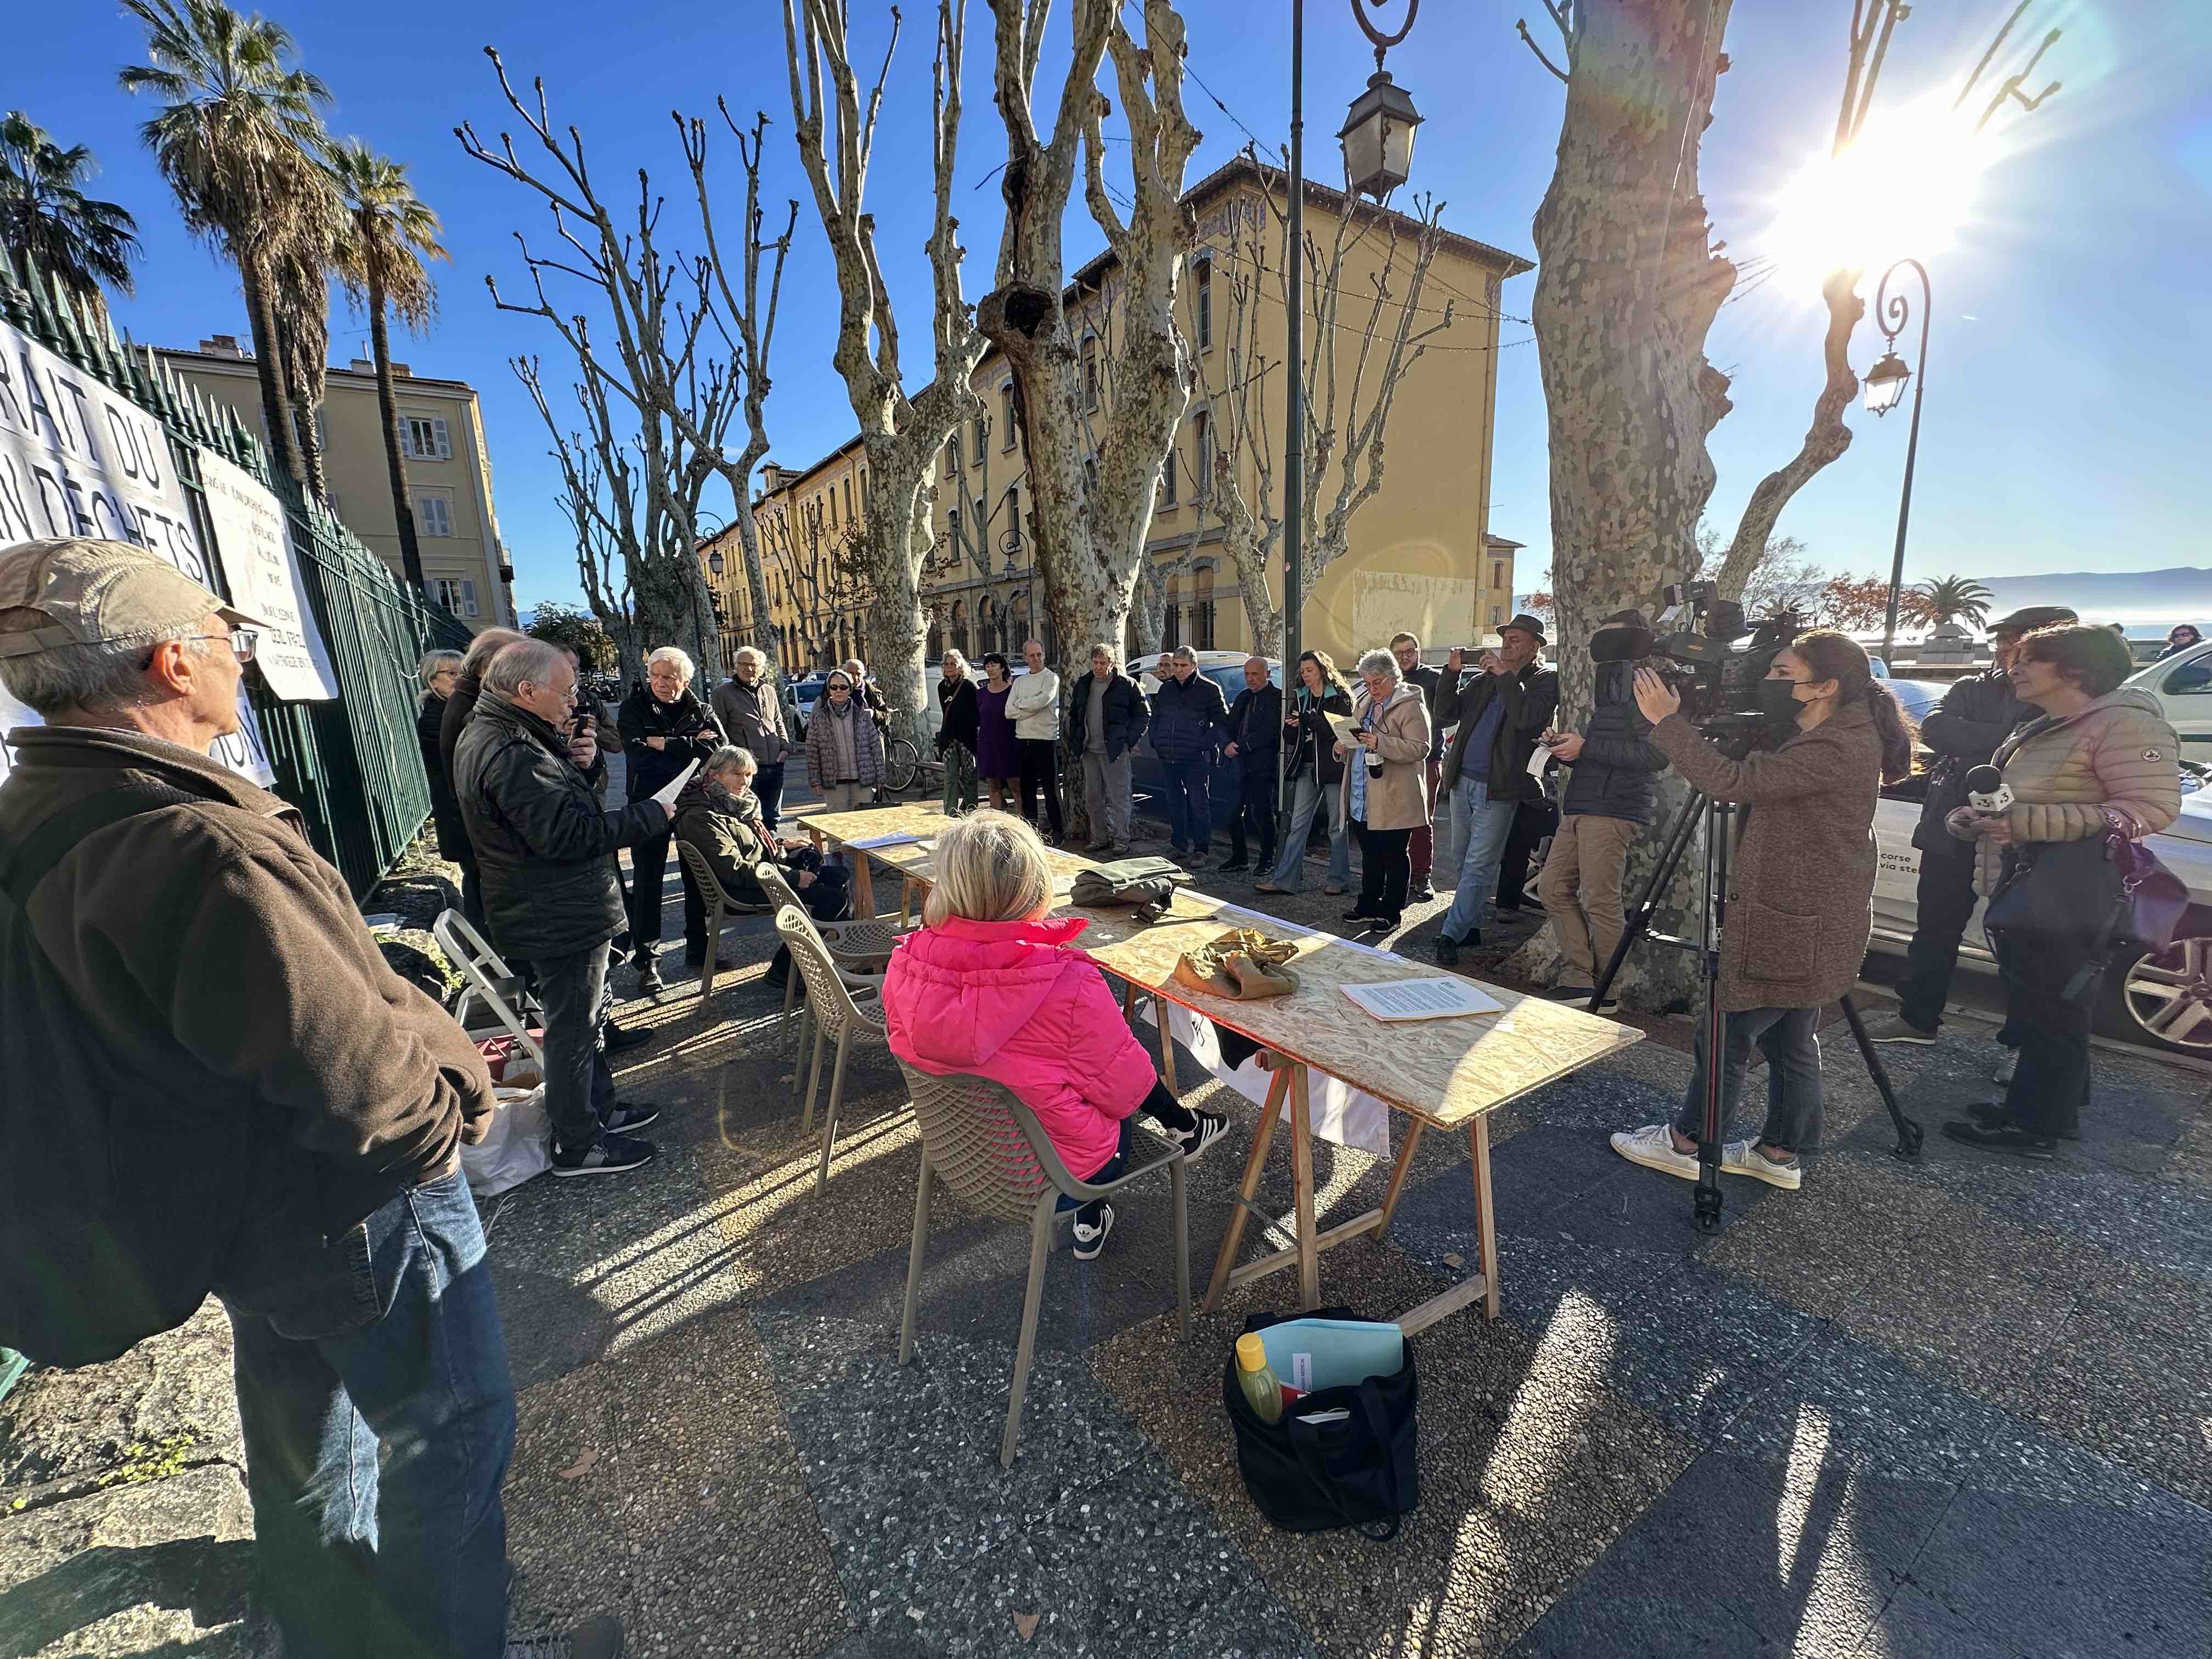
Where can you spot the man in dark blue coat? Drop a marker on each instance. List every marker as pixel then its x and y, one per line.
pixel 1190 721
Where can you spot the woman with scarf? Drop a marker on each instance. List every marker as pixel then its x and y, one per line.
pixel 718 813
pixel 958 734
pixel 844 750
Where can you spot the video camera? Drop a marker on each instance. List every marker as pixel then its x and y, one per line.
pixel 1715 676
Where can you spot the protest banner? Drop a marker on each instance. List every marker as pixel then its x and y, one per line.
pixel 252 536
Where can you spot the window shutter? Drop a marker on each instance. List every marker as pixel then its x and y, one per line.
pixel 468 597
pixel 445 452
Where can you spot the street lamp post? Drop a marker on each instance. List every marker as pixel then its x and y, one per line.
pixel 1378 149
pixel 1884 389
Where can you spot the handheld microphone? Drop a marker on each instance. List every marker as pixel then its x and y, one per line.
pixel 1987 791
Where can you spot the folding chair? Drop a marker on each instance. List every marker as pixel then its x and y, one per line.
pixel 992 1152
pixel 487 979
pixel 710 887
pixel 844 1007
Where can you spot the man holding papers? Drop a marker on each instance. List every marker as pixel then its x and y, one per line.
pixel 545 850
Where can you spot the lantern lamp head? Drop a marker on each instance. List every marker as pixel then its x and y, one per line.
pixel 1378 137
pixel 1885 383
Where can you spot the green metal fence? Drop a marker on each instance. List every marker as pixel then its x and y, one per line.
pixel 352 765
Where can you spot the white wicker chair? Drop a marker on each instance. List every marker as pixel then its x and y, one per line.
pixel 989 1149
pixel 845 1008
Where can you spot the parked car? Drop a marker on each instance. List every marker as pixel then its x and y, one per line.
pixel 1226 793
pixel 2183 685
pixel 2164 1001
pixel 803 694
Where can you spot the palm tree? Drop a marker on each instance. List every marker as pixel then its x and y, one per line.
pixel 390 232
pixel 300 299
pixel 236 142
pixel 46 217
pixel 1949 597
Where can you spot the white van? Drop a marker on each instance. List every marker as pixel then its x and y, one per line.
pixel 2183 685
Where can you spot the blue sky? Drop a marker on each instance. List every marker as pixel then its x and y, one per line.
pixel 2066 411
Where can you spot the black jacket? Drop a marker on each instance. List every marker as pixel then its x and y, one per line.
pixel 1612 779
pixel 1316 737
pixel 1531 698
pixel 444 811
pixel 1976 715
pixel 964 714
pixel 686 723
pixel 1187 716
pixel 1255 726
pixel 1432 682
pixel 545 845
pixel 1124 712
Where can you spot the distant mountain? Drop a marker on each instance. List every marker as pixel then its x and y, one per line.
pixel 2146 601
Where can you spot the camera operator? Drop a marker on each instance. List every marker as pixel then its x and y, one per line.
pixel 1500 712
pixel 1606 804
pixel 1976 715
pixel 1798 907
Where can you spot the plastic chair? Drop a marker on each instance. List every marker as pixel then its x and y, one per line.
pixel 834 998
pixel 710 887
pixel 992 1152
pixel 857 947
pixel 486 979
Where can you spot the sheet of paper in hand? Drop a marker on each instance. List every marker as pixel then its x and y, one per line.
pixel 667 796
pixel 1422 999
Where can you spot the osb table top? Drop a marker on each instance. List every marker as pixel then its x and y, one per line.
pixel 1446 1071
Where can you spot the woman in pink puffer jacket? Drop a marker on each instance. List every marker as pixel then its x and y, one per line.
pixel 991 987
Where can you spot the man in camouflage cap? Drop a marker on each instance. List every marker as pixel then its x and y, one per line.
pixel 277 1114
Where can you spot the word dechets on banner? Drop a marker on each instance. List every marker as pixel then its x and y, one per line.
pixel 79 458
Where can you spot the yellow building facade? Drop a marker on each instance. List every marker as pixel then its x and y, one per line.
pixel 447 462
pixel 1420 556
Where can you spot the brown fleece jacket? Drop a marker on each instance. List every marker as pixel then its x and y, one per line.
pixel 222 962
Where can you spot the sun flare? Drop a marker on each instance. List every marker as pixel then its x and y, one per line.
pixel 1904 187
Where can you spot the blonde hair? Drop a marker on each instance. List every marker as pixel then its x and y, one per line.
pixel 990 867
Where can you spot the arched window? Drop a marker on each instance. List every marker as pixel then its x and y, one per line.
pixel 1201 610
pixel 960 626
pixel 1171 617
pixel 1090 372
pixel 1005 415
pixel 1498 573
pixel 1168 480
pixel 935 647
pixel 1017 621
pixel 952 456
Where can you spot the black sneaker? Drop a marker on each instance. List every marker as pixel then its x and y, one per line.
pixel 614 1155
pixel 599 1636
pixel 698 965
pixel 1447 952
pixel 1424 894
pixel 1995 1115
pixel 616 1038
pixel 649 982
pixel 1229 864
pixel 1209 1129
pixel 1088 1241
pixel 2007 1139
pixel 627 1114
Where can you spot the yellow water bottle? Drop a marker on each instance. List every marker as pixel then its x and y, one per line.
pixel 1257 1378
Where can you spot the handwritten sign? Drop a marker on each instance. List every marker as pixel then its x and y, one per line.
pixel 79 458
pixel 252 534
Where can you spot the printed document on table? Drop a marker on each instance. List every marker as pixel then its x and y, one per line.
pixel 667 796
pixel 900 838
pixel 1422 999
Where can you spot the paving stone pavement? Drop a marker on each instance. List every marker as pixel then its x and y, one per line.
pixel 1956 1408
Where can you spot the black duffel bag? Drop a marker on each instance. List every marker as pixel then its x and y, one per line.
pixel 1361 1470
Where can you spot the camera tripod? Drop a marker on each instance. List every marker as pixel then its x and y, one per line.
pixel 1719 818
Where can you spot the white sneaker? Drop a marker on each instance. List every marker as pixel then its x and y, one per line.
pixel 1088 1241
pixel 1742 1158
pixel 2006 1067
pixel 1653 1147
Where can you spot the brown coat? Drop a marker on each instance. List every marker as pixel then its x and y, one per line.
pixel 1398 798
pixel 221 962
pixel 1802 880
pixel 2117 753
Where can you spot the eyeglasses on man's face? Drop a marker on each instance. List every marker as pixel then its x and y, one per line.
pixel 241 641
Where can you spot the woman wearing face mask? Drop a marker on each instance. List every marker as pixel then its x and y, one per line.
pixel 1797 907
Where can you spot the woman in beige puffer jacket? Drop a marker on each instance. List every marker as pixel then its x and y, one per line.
pixel 2100 757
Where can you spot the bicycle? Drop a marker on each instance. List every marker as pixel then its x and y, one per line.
pixel 902 766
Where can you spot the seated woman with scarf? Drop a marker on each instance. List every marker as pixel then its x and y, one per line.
pixel 718 813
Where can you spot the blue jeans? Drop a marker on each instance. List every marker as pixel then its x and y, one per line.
pixel 1308 797
pixel 390 1338
pixel 1484 827
pixel 1190 812
pixel 1787 1037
